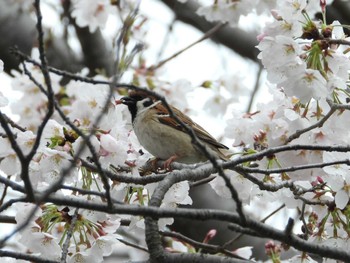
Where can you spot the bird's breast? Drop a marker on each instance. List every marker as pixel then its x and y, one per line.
pixel 162 140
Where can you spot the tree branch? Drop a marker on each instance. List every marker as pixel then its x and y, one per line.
pixel 235 39
pixel 28 257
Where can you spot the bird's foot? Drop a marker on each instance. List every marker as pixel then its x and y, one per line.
pixel 168 162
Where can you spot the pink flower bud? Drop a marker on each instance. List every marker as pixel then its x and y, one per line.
pixel 323 5
pixel 320 180
pixel 261 36
pixel 210 235
pixel 275 15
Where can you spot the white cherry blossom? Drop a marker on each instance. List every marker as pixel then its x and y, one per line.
pixel 92 13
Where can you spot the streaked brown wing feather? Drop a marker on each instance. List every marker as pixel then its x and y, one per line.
pixel 198 130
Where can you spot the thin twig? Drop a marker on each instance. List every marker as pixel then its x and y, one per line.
pixel 203 181
pixel 318 124
pixel 70 75
pixel 272 213
pixel 13 124
pixel 69 236
pixel 122 33
pixel 83 191
pixel 10 202
pixel 265 186
pixel 256 88
pixel 210 248
pixel 28 257
pixel 130 244
pixel 50 95
pixel 302 218
pixel 15 186
pixel 233 240
pixel 338 41
pixel 166 39
pixel 242 230
pixel 207 35
pixel 7 219
pixel 293 168
pixel 320 202
pixel 284 148
pixel 4 193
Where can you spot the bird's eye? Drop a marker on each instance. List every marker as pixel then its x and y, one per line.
pixel 147 102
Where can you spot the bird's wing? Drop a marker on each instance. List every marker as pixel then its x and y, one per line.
pixel 165 118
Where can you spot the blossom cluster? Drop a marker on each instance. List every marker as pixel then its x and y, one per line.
pixel 232 10
pixel 308 74
pixel 112 142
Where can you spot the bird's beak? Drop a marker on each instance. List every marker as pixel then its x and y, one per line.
pixel 117 102
pixel 126 101
pixel 122 100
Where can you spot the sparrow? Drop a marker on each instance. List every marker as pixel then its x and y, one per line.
pixel 164 137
